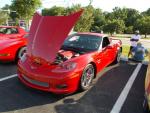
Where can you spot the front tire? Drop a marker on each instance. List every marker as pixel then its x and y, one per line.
pixel 20 53
pixel 87 77
pixel 118 57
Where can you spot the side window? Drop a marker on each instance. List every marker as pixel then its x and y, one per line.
pixel 11 31
pixel 8 31
pixel 14 31
pixel 106 42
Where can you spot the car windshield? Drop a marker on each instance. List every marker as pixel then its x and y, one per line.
pixel 5 30
pixel 82 42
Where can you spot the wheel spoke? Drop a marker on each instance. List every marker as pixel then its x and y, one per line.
pixel 87 77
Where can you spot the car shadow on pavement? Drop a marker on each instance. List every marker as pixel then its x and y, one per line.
pixel 103 95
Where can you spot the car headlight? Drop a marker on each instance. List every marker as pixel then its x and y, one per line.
pixel 68 66
pixel 65 67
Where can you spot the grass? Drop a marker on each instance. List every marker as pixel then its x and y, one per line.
pixel 129 36
pixel 125 51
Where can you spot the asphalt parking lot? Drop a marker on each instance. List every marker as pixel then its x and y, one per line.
pixel 100 98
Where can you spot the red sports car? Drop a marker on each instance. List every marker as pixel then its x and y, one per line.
pixel 63 65
pixel 12 43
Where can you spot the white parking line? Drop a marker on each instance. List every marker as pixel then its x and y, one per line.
pixel 8 77
pixel 120 101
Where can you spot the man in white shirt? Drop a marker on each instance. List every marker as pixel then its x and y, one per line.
pixel 134 40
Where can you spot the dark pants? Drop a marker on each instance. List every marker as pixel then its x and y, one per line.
pixel 130 50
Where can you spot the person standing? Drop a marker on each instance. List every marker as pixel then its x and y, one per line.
pixel 134 40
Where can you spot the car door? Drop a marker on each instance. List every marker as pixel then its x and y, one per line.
pixel 101 56
pixel 107 51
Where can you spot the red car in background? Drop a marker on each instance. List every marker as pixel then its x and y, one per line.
pixel 62 65
pixel 13 43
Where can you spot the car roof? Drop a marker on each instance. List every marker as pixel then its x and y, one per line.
pixel 91 33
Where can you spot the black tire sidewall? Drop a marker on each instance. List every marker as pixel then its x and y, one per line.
pixel 18 52
pixel 116 59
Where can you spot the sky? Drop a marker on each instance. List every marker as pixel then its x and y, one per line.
pixel 105 5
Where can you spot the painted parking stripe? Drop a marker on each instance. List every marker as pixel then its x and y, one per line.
pixel 120 101
pixel 8 77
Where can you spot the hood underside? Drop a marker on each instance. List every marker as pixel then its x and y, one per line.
pixel 47 34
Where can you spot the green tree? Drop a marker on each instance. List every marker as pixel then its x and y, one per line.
pixel 12 15
pixel 25 8
pixel 143 24
pixel 86 20
pixel 119 13
pixel 146 13
pixel 108 15
pixel 3 17
pixel 132 16
pixel 54 11
pixel 117 26
pixel 4 14
pixel 129 30
pixel 99 21
pixel 6 7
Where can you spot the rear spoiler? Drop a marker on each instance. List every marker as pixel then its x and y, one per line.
pixel 116 40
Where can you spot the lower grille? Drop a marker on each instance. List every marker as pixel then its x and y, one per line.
pixel 38 83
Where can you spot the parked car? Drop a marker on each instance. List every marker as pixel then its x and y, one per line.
pixel 63 65
pixel 13 43
pixel 146 102
pixel 78 61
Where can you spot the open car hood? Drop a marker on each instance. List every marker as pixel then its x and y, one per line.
pixel 47 34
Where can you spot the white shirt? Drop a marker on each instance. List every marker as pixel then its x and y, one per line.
pixel 136 37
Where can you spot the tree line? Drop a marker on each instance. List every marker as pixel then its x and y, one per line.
pixel 120 20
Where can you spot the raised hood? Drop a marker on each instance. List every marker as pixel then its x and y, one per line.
pixel 47 34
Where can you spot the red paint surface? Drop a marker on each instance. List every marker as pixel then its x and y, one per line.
pixel 11 43
pixel 48 33
pixel 46 44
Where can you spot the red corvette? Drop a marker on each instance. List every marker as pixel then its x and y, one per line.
pixel 63 65
pixel 12 43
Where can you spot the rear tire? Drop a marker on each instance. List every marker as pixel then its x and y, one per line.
pixel 20 53
pixel 87 77
pixel 117 59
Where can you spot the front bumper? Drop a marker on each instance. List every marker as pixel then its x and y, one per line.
pixel 63 85
pixel 7 55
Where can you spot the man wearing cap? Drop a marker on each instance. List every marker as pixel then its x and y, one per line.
pixel 134 39
pixel 139 52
